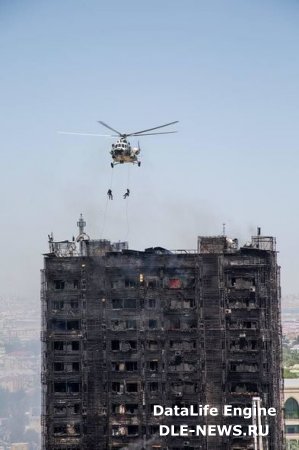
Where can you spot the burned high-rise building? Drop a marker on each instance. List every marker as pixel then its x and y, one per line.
pixel 125 330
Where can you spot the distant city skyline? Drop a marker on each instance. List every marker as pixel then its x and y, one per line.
pixel 228 71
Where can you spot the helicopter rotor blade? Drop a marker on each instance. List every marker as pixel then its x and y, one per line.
pixel 110 128
pixel 87 134
pixel 151 129
pixel 151 134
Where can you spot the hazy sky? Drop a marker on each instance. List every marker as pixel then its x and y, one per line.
pixel 227 70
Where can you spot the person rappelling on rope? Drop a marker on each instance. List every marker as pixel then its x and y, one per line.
pixel 127 193
pixel 109 193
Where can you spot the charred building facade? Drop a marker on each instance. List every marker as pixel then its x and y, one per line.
pixel 126 330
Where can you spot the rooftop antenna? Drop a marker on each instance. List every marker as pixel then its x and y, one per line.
pixel 223 229
pixel 81 224
pixel 50 241
pixel 82 237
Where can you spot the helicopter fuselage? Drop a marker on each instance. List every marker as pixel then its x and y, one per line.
pixel 122 152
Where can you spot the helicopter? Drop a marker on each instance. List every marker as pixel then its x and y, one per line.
pixel 122 151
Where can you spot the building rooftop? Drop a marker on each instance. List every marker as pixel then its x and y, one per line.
pixel 83 245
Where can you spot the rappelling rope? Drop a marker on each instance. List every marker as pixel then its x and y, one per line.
pixel 127 219
pixel 106 205
pixel 128 176
pixel 127 204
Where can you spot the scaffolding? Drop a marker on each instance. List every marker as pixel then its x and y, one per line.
pixel 124 330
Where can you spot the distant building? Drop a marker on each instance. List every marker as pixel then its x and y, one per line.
pixel 19 446
pixel 124 330
pixel 18 371
pixel 291 412
pixel 33 423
